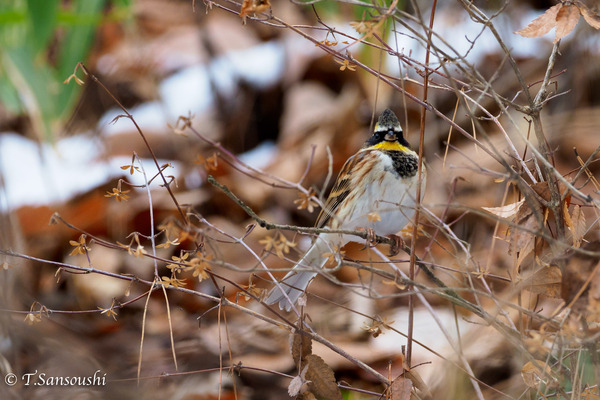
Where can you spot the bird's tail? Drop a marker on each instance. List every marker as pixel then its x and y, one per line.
pixel 296 281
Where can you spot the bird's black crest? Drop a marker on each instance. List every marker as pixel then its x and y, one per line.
pixel 387 120
pixel 387 123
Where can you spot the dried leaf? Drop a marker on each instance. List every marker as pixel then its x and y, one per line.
pixel 521 238
pixel 323 383
pixel 590 17
pixel 527 219
pixel 566 20
pixel 567 218
pixel 577 226
pixel 532 373
pixel 545 281
pixel 542 24
pixel 299 384
pixel 400 389
pixel 300 346
pixel 543 190
pixel 507 211
pixel 527 246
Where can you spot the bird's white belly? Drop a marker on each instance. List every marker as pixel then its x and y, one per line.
pixel 385 207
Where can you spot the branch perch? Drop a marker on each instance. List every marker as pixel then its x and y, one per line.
pixel 364 235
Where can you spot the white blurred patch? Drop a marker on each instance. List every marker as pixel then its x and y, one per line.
pixel 35 174
pixel 260 156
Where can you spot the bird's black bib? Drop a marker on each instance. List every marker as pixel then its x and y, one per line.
pixel 404 165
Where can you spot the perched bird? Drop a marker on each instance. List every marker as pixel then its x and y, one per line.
pixel 375 190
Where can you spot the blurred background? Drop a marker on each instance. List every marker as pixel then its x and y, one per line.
pixel 262 96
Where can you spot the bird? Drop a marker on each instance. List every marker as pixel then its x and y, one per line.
pixel 376 190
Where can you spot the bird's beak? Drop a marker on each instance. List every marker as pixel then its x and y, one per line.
pixel 391 136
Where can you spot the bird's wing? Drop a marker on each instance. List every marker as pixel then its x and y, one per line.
pixel 341 190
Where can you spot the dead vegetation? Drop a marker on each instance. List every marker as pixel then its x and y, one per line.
pixel 156 277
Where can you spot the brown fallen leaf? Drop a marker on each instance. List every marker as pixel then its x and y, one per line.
pixel 400 389
pixel 522 236
pixel 542 24
pixel 528 216
pixel 507 211
pixel 545 281
pixel 322 380
pixel 566 20
pixel 301 347
pixel 536 373
pixel 564 17
pixel 590 17
pixel 543 190
pixel 576 224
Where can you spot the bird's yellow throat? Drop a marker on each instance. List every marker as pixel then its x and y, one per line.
pixel 385 145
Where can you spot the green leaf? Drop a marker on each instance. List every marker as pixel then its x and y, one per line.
pixel 9 96
pixel 36 87
pixel 12 16
pixel 42 18
pixel 13 25
pixel 77 42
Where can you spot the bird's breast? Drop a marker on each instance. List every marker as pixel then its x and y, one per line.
pixel 383 196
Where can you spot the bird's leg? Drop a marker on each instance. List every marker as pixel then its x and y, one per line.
pixel 397 244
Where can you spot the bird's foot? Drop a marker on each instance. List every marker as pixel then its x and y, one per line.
pixel 396 245
pixel 371 237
